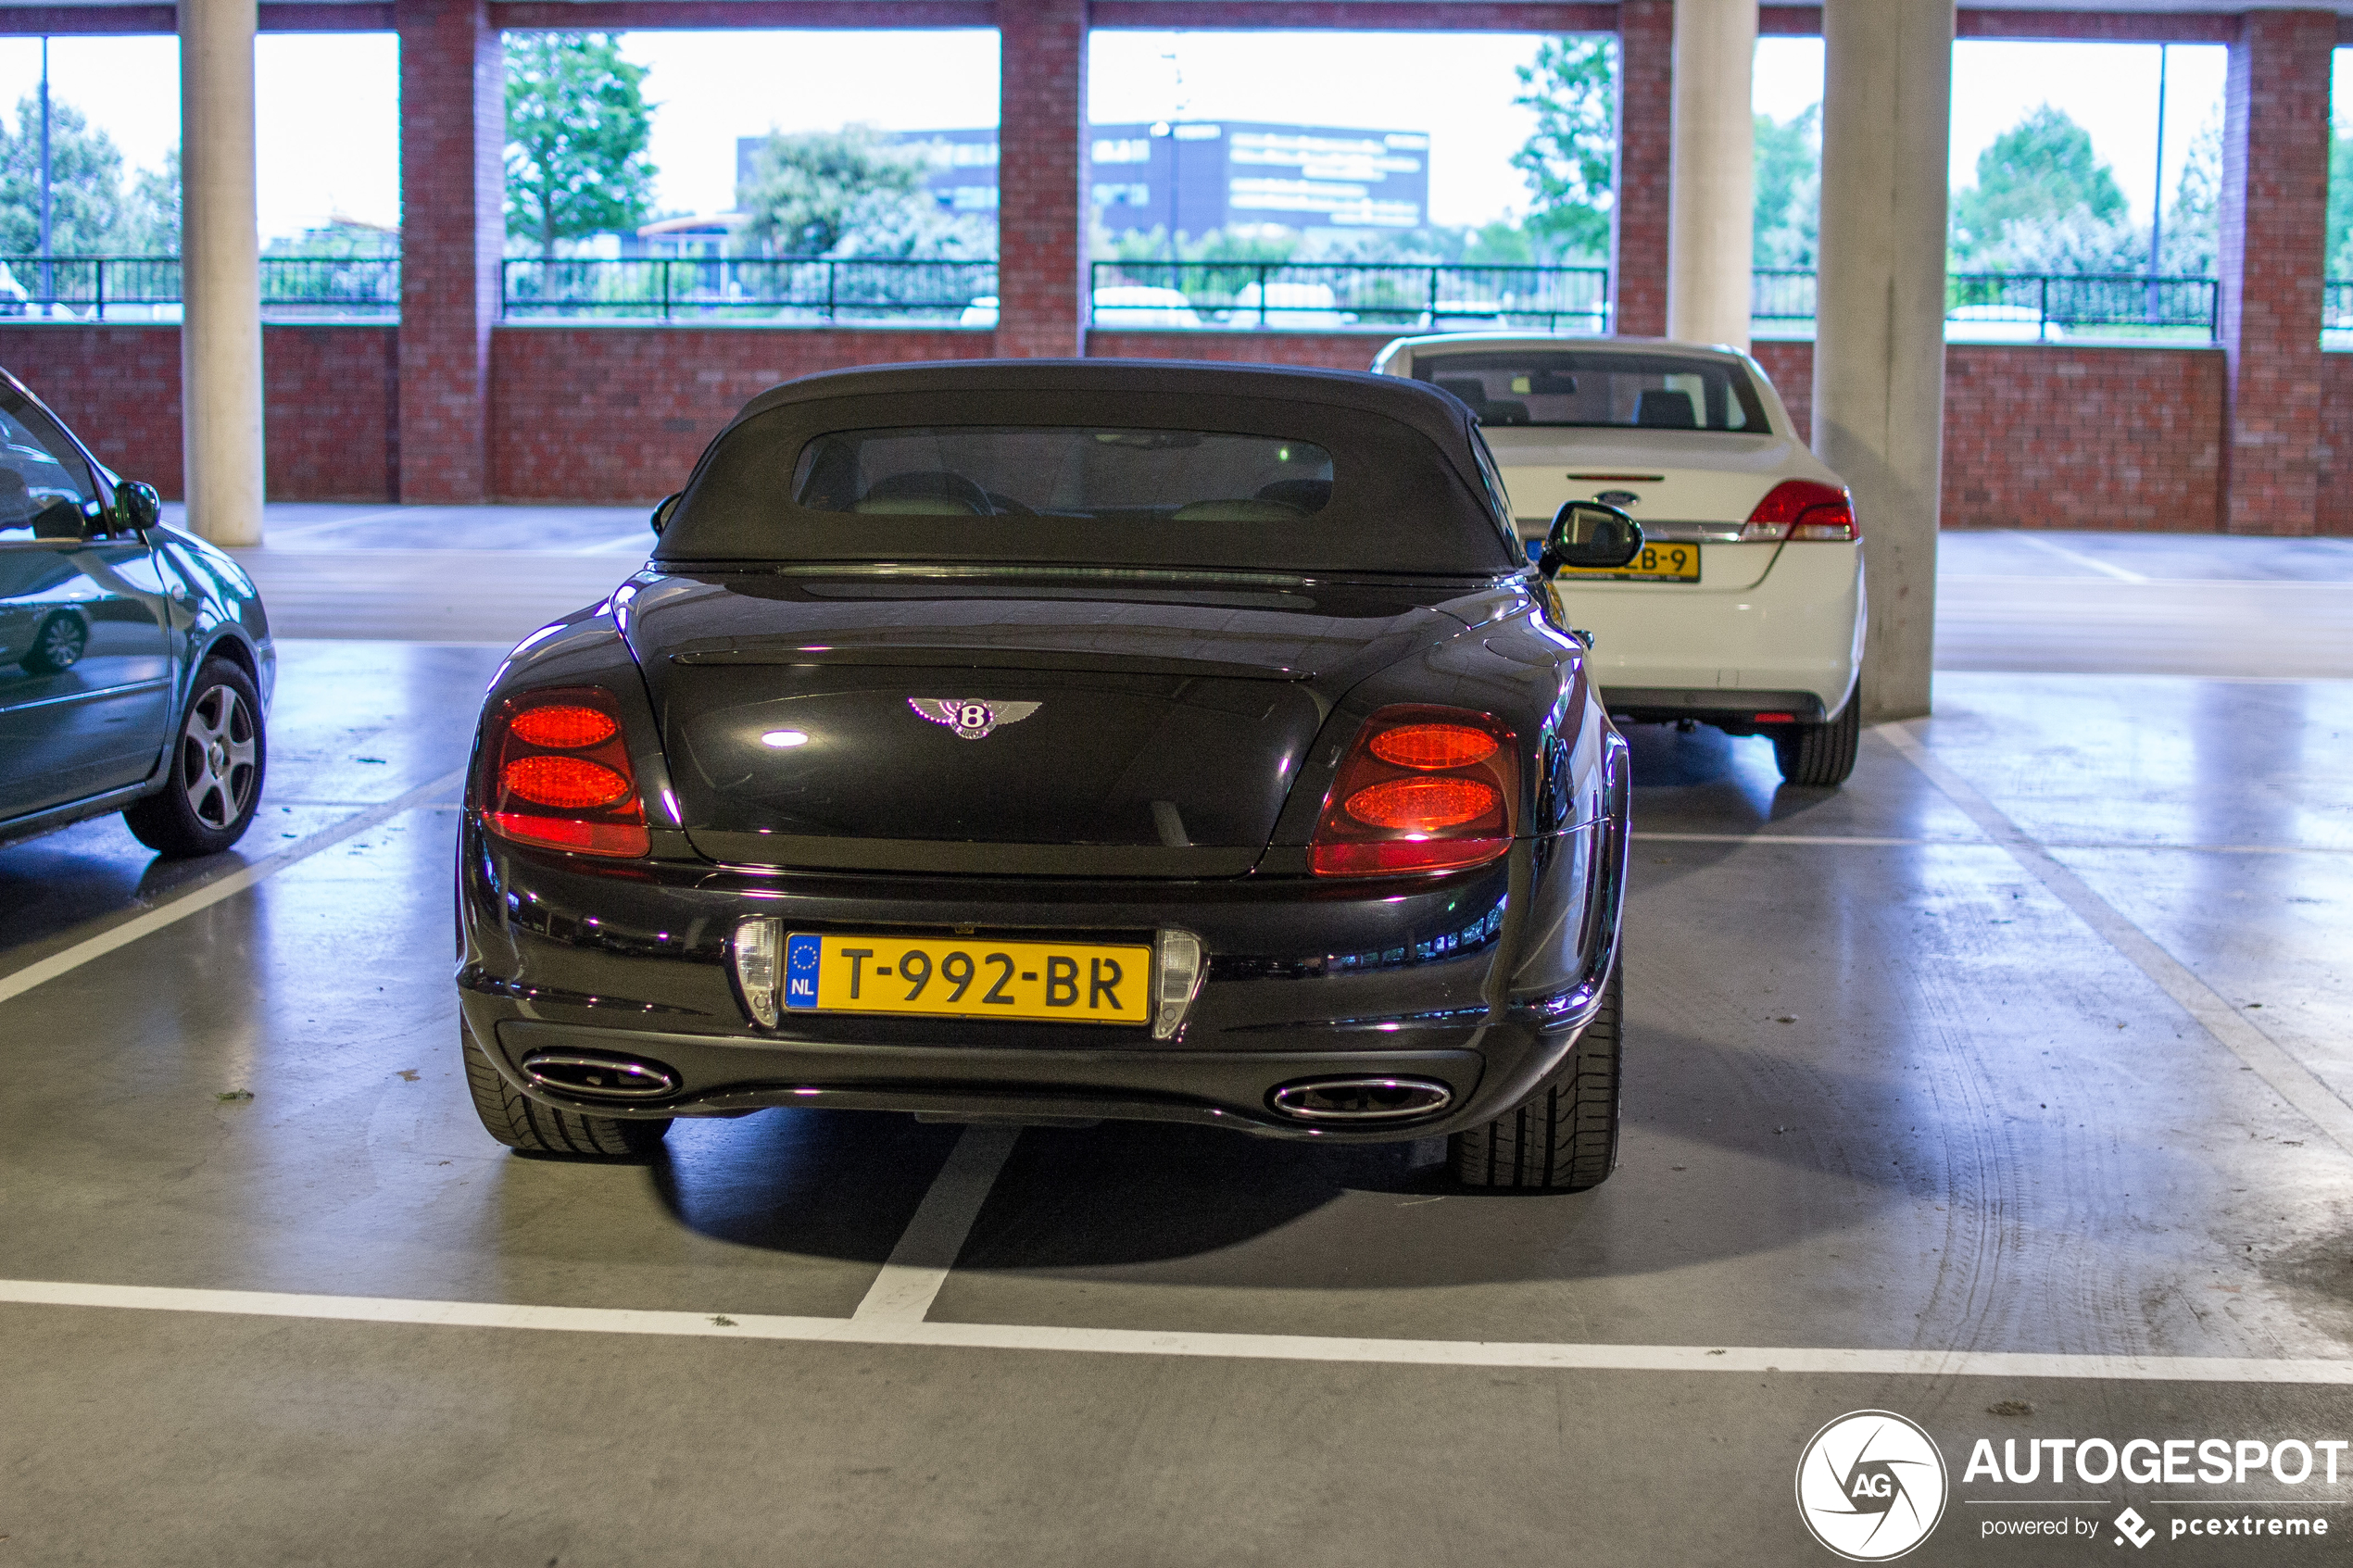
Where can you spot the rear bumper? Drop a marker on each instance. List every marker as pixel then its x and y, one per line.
pixel 1797 634
pixel 1481 983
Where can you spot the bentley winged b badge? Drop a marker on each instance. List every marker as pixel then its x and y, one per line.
pixel 969 719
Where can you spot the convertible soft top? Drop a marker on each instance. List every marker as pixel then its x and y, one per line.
pixel 904 470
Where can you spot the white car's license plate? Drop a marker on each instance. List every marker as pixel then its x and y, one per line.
pixel 1657 563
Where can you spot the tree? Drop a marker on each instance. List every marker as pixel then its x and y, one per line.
pixel 151 210
pixel 2040 190
pixel 1570 160
pixel 577 124
pixel 85 183
pixel 1789 188
pixel 817 193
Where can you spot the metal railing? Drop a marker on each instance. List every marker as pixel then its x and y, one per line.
pixel 1338 297
pixel 146 288
pixel 2030 306
pixel 781 289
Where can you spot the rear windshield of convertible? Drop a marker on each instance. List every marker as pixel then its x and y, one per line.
pixel 1119 480
pixel 1141 477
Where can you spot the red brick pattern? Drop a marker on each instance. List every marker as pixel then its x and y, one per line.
pixel 2333 510
pixel 330 395
pixel 1041 177
pixel 1645 164
pixel 614 414
pixel 453 135
pixel 2274 207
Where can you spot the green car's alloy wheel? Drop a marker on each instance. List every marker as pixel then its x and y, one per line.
pixel 213 777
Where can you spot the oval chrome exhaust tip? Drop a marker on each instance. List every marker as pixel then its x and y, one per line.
pixel 599 1077
pixel 1360 1100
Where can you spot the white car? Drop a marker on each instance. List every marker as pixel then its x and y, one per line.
pixel 1295 308
pixel 1745 609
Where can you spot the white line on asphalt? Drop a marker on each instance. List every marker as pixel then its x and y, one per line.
pixel 1793 838
pixel 206 893
pixel 2077 557
pixel 918 1266
pixel 2230 1028
pixel 1748 1358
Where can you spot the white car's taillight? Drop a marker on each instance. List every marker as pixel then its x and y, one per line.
pixel 1803 509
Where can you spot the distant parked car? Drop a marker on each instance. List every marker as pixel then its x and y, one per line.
pixel 1999 323
pixel 1138 305
pixel 136 661
pixel 1744 607
pixel 1299 307
pixel 981 312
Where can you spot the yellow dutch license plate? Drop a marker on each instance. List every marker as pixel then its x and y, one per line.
pixel 1657 563
pixel 967 977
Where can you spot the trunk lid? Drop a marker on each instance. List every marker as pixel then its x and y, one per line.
pixel 876 724
pixel 1686 487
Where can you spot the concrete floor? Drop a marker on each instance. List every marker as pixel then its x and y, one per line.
pixel 2005 1089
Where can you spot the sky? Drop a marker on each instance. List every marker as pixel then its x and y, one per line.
pixel 713 87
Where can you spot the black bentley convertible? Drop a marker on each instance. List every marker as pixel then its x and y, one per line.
pixel 1054 741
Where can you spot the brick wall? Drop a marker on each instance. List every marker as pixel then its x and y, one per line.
pixel 615 414
pixel 331 402
pixel 1645 164
pixel 2050 436
pixel 2044 436
pixel 1042 177
pixel 2273 216
pixel 452 187
pixel 2332 513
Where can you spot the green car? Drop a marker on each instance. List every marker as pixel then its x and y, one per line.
pixel 136 661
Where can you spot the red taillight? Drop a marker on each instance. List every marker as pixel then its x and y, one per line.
pixel 1423 789
pixel 557 773
pixel 1434 746
pixel 1800 509
pixel 562 724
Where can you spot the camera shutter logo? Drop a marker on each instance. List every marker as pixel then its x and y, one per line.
pixel 1872 1486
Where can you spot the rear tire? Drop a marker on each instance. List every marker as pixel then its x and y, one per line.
pixel 1821 756
pixel 523 1124
pixel 212 775
pixel 1563 1137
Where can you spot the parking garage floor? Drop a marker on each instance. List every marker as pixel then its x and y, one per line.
pixel 2006 1088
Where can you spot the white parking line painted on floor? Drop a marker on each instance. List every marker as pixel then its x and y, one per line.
pixel 1747 1358
pixel 1794 839
pixel 2230 1028
pixel 204 894
pixel 2077 557
pixel 918 1265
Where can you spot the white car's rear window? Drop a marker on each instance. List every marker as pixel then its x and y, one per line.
pixel 1551 386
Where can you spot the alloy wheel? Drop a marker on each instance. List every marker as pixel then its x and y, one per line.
pixel 217 758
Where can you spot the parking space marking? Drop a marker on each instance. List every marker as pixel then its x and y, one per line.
pixel 1814 838
pixel 1744 1359
pixel 204 894
pixel 2077 557
pixel 918 1265
pixel 2229 1028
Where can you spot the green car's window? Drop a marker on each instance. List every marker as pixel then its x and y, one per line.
pixel 43 483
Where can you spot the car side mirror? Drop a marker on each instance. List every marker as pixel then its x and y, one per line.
pixel 140 506
pixel 663 508
pixel 1591 538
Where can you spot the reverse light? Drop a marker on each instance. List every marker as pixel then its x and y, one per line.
pixel 1423 789
pixel 1177 969
pixel 1803 509
pixel 556 773
pixel 759 952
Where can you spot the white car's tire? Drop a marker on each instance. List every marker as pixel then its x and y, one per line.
pixel 1820 754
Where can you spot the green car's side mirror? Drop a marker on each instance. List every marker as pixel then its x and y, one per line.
pixel 663 508
pixel 139 504
pixel 1591 536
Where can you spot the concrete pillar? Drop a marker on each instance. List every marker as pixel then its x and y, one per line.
pixel 453 231
pixel 1878 334
pixel 221 273
pixel 1713 194
pixel 1639 218
pixel 1041 179
pixel 2274 223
